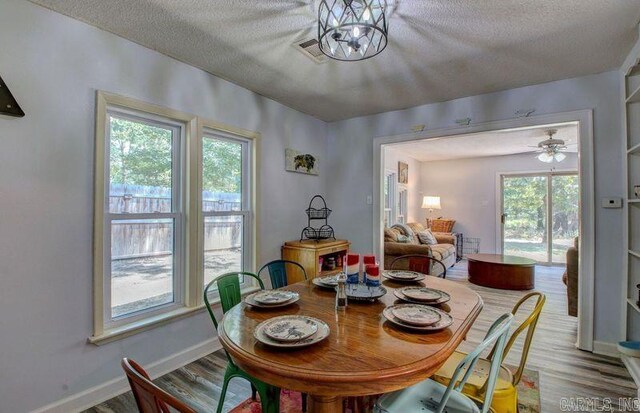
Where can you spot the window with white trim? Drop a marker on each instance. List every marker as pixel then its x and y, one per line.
pixel 226 204
pixel 143 220
pixel 174 209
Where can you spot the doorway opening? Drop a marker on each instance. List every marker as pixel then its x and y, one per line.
pixel 471 199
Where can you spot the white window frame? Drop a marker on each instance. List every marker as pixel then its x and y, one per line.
pixel 403 200
pixel 176 215
pixel 186 212
pixel 392 179
pixel 246 211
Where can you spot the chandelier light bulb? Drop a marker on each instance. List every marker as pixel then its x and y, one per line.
pixel 356 31
pixel 367 14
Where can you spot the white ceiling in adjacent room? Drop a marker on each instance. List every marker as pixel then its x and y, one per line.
pixel 495 143
pixel 438 49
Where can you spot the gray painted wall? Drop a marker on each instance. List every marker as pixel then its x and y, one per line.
pixel 468 189
pixel 598 92
pixel 54 65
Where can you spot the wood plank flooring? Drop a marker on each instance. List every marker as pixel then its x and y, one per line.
pixel 564 370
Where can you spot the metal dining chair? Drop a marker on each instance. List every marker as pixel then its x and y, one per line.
pixel 505 395
pixel 229 290
pixel 431 396
pixel 418 263
pixel 278 272
pixel 279 278
pixel 149 397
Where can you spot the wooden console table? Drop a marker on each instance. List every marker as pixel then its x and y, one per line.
pixel 506 272
pixel 308 253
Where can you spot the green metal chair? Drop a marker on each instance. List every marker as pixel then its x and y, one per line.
pixel 431 396
pixel 229 289
pixel 278 272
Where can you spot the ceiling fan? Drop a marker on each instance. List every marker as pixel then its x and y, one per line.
pixel 551 149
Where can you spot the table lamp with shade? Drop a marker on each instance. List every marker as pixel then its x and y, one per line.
pixel 430 202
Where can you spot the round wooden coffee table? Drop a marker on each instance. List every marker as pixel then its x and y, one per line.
pixel 506 272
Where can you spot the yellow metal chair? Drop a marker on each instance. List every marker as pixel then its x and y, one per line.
pixel 505 395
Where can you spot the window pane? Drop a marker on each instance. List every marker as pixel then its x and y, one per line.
pixel 140 157
pixel 565 199
pixel 525 207
pixel 221 175
pixel 222 245
pixel 142 265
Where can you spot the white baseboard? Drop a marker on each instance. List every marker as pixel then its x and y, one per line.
pixel 112 388
pixel 606 349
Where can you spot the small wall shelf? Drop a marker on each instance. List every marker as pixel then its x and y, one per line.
pixel 633 304
pixel 633 201
pixel 634 253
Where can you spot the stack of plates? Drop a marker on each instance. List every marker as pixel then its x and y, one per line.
pixel 330 281
pixel 422 295
pixel 403 276
pixel 417 317
pixel 272 298
pixel 291 331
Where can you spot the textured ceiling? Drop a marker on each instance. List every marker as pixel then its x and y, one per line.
pixel 438 49
pixel 495 143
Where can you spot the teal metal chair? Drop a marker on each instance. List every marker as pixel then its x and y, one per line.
pixel 278 272
pixel 229 289
pixel 431 396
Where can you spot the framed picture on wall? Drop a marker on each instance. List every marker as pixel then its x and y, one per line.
pixel 403 173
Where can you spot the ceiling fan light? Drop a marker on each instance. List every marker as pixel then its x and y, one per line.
pixel 559 156
pixel 545 157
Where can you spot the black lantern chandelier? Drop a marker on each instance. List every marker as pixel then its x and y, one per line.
pixel 352 29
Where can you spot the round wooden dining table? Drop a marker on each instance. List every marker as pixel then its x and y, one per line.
pixel 363 355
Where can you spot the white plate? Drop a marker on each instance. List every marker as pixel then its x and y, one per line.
pixel 290 328
pixel 445 321
pixel 423 294
pixel 249 300
pixel 331 280
pixel 445 297
pixel 416 314
pixel 419 277
pixel 318 281
pixel 402 275
pixel 273 297
pixel 321 334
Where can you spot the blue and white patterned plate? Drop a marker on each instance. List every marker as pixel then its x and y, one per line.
pixel 403 276
pixel 445 321
pixel 290 328
pixel 330 281
pixel 249 299
pixel 364 292
pixel 416 314
pixel 400 294
pixel 321 334
pixel 273 297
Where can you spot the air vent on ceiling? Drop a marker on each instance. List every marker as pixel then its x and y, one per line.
pixel 311 49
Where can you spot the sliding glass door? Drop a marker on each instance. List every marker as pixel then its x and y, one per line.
pixel 540 215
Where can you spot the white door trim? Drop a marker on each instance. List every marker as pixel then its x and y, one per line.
pixel 587 200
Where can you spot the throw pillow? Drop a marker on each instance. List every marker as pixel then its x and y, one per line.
pixel 426 237
pixel 391 235
pixel 403 239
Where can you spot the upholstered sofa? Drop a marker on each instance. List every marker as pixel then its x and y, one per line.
pixel 444 250
pixel 570 279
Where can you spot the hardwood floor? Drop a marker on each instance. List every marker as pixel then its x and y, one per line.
pixel 564 371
